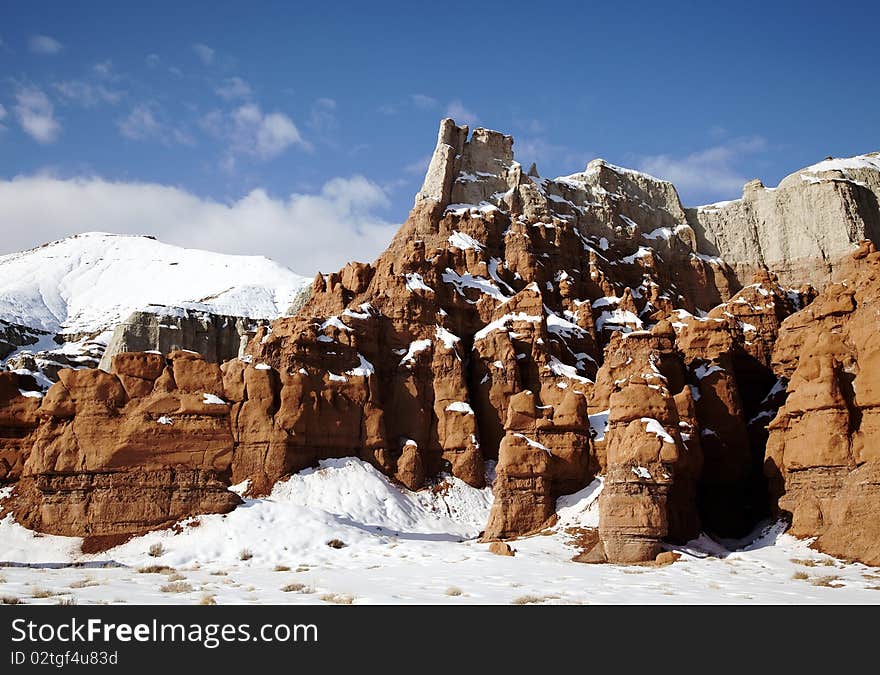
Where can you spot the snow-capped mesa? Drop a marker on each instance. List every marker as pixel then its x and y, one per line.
pixel 62 301
pixel 90 282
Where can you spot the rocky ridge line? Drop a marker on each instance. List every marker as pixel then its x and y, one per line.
pixel 566 328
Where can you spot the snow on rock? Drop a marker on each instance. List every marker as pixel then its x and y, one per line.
pixel 563 327
pixel 844 163
pixel 468 281
pixel 641 472
pixel 460 406
pixel 533 443
pixel 652 426
pixel 447 338
pixel 414 282
pixel 415 347
pixel 335 322
pixel 363 369
pixel 580 509
pixel 464 241
pixel 599 424
pixel 707 369
pixel 618 319
pixel 90 282
pixel 561 369
pixel 501 324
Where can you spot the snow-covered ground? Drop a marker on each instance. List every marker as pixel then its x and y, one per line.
pixel 90 282
pixel 396 546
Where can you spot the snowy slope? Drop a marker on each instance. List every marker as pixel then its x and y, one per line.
pixel 405 547
pixel 90 282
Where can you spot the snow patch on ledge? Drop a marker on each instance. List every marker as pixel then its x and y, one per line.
pixel 652 426
pixel 460 406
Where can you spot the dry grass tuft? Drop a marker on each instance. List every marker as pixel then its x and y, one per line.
pixel 827 581
pixel 453 591
pixel 282 568
pixel 811 562
pixel 84 583
pixel 336 543
pixel 176 577
pixel 208 599
pixel 800 575
pixel 176 587
pixel 245 554
pixel 156 550
pixel 337 599
pixel 42 593
pixel 10 600
pixel 157 569
pixel 297 588
pixel 527 600
pixel 67 602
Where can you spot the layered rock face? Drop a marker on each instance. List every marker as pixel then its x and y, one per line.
pixel 800 229
pixel 823 454
pixel 18 420
pixel 126 452
pixel 217 337
pixel 561 328
pixel 13 336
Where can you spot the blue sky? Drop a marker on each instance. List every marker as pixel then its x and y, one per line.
pixel 300 130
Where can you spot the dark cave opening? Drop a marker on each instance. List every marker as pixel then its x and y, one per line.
pixel 733 493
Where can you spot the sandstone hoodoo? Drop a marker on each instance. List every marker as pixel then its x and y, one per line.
pixel 555 330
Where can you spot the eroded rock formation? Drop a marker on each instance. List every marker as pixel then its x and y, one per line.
pixel 800 229
pixel 563 328
pixel 217 337
pixel 130 451
pixel 823 454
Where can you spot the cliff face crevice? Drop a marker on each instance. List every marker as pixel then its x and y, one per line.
pixel 564 328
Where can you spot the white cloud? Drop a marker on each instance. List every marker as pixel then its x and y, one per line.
pixel 459 113
pixel 307 232
pixel 274 132
pixel 250 132
pixel 707 173
pixel 422 101
pixel 36 115
pixel 141 124
pixel 105 69
pixel 43 44
pixel 204 52
pixel 322 119
pixel 232 88
pixel 87 94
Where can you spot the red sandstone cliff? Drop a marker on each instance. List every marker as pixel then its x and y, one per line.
pixel 564 328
